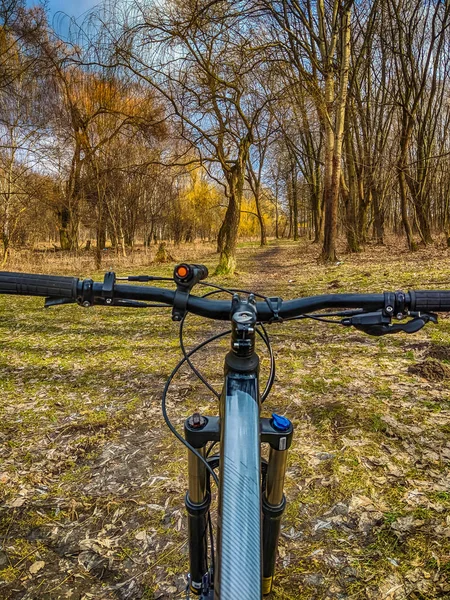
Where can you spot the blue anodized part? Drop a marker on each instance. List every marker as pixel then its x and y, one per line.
pixel 280 423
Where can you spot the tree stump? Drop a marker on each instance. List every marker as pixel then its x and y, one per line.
pixel 163 256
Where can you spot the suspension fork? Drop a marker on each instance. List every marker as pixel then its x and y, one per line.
pixel 274 500
pixel 197 502
pixel 277 432
pixel 239 541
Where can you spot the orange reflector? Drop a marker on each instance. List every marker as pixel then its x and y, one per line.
pixel 182 271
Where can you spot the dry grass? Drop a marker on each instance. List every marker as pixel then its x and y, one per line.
pixel 47 260
pixel 92 482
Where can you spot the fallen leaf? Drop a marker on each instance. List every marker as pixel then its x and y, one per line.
pixel 4 477
pixel 36 566
pixel 16 503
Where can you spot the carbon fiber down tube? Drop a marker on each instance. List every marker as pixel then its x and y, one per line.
pixel 239 549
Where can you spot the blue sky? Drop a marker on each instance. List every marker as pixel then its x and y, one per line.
pixel 73 8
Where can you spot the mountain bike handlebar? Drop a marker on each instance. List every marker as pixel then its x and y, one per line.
pixel 27 284
pixel 87 292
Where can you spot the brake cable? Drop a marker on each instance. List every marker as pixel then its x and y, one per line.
pixel 264 336
pixel 186 356
pixel 164 395
pixel 271 378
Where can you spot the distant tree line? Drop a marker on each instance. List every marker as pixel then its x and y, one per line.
pixel 213 119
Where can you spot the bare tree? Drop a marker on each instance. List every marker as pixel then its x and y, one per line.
pixel 369 122
pixel 314 39
pixel 417 34
pixel 200 59
pixel 264 132
pixel 22 115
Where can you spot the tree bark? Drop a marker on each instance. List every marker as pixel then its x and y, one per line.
pixel 378 219
pixel 262 225
pixel 407 125
pixel 294 203
pixel 227 238
pixel 317 209
pixel 64 229
pixel 334 139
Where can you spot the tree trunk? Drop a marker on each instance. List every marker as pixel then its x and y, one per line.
pixel 317 210
pixel 295 204
pixel 333 141
pixel 6 241
pixel 361 221
pixel 329 202
pixel 68 229
pixel 351 226
pixel 101 238
pixel 423 221
pixel 291 212
pixel 329 241
pixel 277 233
pixel 351 198
pixel 407 125
pixel 123 243
pixel 378 219
pixel 68 214
pixel 262 225
pixel 404 207
pixel 6 233
pixel 227 238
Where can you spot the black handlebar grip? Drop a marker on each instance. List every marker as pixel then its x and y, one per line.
pixel 430 300
pixel 26 284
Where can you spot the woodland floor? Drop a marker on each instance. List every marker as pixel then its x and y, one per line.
pixel 92 482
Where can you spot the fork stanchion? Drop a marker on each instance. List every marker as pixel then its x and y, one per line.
pixel 197 504
pixel 273 505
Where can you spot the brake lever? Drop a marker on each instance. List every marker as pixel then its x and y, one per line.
pixel 378 324
pixel 49 302
pixel 414 324
pixel 58 301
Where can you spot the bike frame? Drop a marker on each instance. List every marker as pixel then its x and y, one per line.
pixel 246 545
pixel 239 524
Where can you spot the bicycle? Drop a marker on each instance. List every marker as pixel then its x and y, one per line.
pixel 251 500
